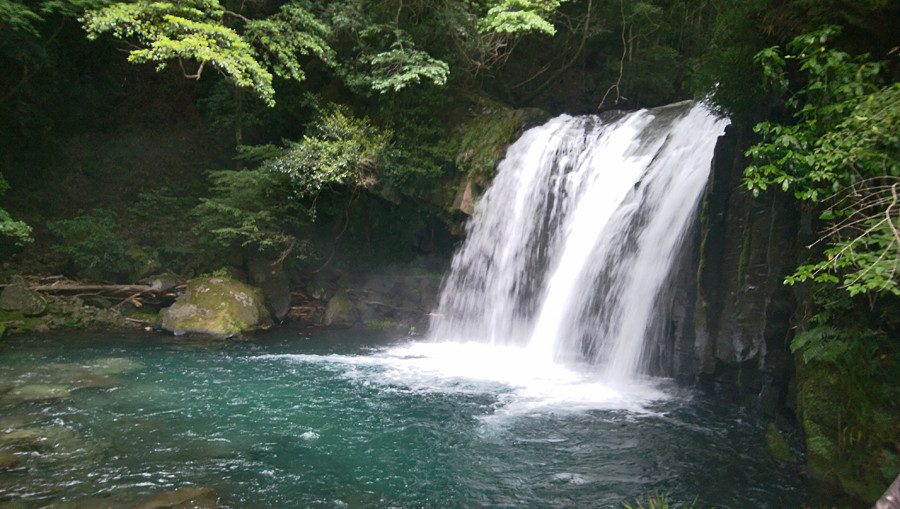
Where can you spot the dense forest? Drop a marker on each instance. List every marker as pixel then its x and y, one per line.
pixel 139 138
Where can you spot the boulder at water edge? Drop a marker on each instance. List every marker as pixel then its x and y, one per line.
pixel 18 297
pixel 341 311
pixel 217 306
pixel 274 282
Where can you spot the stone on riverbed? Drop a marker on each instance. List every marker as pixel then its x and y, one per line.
pixel 38 392
pixel 8 460
pixel 184 498
pixel 112 366
pixel 218 307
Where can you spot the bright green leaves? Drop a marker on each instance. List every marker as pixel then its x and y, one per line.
pixel 195 30
pixel 397 45
pixel 402 66
pixel 520 16
pixel 389 61
pixel 843 151
pixel 268 208
pixel 342 149
pixel 293 31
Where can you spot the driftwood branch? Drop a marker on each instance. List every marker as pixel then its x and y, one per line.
pixel 131 292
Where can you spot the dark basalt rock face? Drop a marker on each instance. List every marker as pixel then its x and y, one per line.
pixel 743 322
pixel 726 322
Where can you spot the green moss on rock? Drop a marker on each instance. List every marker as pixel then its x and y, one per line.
pixel 217 306
pixel 341 311
pixel 847 444
pixel 778 446
pixel 480 143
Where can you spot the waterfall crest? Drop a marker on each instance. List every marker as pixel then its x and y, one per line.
pixel 568 251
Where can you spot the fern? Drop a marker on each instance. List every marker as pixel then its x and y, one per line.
pixel 823 344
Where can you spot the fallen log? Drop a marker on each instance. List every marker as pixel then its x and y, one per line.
pixel 69 287
pixel 126 293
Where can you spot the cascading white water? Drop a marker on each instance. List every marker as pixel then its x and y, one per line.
pixel 568 251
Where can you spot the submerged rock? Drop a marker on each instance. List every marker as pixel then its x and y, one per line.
pixel 38 392
pixel 88 381
pixel 183 498
pixel 8 460
pixel 112 366
pixel 49 446
pixel 217 306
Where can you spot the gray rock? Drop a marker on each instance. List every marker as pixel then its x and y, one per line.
pixel 341 311
pixel 163 282
pixel 18 297
pixel 275 284
pixel 319 290
pixel 111 366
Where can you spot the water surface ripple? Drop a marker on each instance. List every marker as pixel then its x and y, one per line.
pixel 353 420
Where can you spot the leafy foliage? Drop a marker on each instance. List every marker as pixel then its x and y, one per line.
pixel 23 16
pixel 254 209
pixel 520 16
pixel 848 394
pixel 341 149
pixel 18 231
pixel 195 30
pixel 18 16
pixel 268 209
pixel 95 248
pixel 404 66
pixel 390 46
pixel 841 152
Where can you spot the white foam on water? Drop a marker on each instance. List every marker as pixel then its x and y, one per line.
pixel 521 382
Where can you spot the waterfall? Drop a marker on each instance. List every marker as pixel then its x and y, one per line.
pixel 568 251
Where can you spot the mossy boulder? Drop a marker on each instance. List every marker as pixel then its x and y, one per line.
pixel 341 311
pixel 217 306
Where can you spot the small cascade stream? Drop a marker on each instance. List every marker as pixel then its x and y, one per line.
pixel 568 252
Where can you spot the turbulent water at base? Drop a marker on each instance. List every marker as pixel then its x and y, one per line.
pixel 568 250
pixel 355 421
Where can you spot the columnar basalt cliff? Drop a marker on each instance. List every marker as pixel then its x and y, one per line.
pixel 743 312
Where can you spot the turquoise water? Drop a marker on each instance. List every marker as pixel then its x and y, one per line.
pixel 350 420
